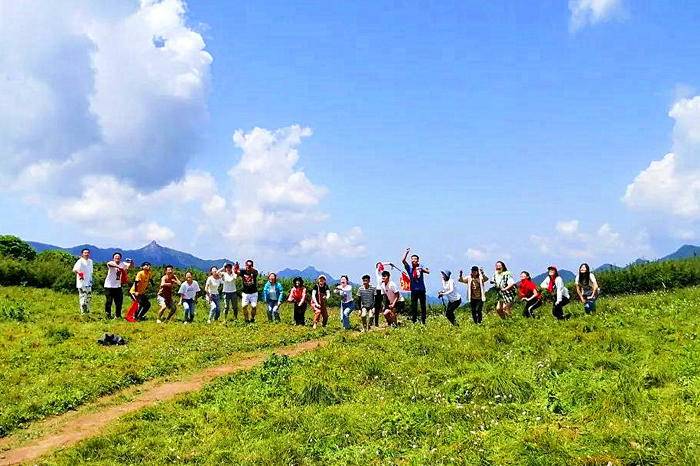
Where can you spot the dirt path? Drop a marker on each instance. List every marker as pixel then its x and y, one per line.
pixel 68 429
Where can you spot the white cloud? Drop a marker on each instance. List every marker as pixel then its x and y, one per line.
pixel 484 253
pixel 670 187
pixel 568 240
pixel 589 12
pixel 333 244
pixel 95 94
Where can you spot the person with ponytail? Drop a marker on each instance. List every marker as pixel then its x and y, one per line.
pixel 527 291
pixel 587 288
pixel 554 284
pixel 503 281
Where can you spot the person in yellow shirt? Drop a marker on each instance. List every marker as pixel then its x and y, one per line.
pixel 139 290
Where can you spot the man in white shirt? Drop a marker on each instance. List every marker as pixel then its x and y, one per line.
pixel 113 285
pixel 394 301
pixel 83 280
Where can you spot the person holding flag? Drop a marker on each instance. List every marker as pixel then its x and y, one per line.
pixel 83 269
pixel 415 273
pixel 395 302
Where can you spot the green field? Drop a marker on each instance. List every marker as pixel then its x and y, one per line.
pixel 619 387
pixel 50 361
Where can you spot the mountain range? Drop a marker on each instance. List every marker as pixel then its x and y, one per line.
pixel 161 255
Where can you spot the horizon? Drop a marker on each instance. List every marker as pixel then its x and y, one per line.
pixel 338 135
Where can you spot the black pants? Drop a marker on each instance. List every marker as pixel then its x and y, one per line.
pixel 378 306
pixel 144 306
pixel 450 311
pixel 558 309
pixel 530 306
pixel 418 296
pixel 477 306
pixel 115 295
pixel 299 311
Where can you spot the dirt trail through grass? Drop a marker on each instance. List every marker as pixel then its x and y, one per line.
pixel 70 428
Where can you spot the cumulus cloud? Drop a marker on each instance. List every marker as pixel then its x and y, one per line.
pixel 589 12
pixel 349 244
pixel 671 186
pixel 568 240
pixel 483 253
pixel 107 91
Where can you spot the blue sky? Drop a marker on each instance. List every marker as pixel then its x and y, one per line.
pixel 469 132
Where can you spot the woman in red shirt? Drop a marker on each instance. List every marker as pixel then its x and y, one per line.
pixel 527 290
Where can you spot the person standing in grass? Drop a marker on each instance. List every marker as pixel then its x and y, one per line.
pixel 347 305
pixel 249 296
pixel 165 294
pixel 527 291
pixel 297 295
pixel 554 284
pixel 211 289
pixel 188 295
pixel 139 289
pixel 273 295
pixel 379 294
pixel 454 300
pixel 319 301
pixel 587 288
pixel 113 285
pixel 394 301
pixel 229 275
pixel 83 270
pixel 366 296
pixel 416 271
pixel 476 295
pixel 504 283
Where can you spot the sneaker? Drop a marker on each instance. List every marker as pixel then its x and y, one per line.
pixel 158 321
pixel 314 326
pixel 209 321
pixel 185 322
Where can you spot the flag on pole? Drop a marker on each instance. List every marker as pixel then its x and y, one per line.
pixel 131 313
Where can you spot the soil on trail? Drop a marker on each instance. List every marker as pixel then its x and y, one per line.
pixel 82 426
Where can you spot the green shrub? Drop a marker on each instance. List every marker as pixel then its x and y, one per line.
pixel 13 311
pixel 12 246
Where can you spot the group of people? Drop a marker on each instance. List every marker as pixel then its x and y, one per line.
pixel 221 294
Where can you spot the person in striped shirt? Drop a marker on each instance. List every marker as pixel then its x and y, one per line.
pixel 366 296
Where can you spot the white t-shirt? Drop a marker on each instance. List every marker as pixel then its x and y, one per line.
pixel 212 285
pixel 113 279
pixel 391 290
pixel 561 290
pixel 229 282
pixel 382 266
pixel 189 291
pixel 345 293
pixel 448 289
pixel 84 266
pixel 593 283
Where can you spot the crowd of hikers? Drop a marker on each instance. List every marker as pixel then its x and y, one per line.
pixel 384 297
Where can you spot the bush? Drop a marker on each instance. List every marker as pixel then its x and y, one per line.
pixel 13 311
pixel 12 246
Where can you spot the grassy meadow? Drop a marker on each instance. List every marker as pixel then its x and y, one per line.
pixel 50 362
pixel 618 387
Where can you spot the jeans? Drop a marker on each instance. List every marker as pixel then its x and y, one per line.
pixel 345 311
pixel 273 310
pixel 530 306
pixel 450 311
pixel 477 306
pixel 299 311
pixel 214 308
pixel 589 305
pixel 115 295
pixel 230 303
pixel 144 306
pixel 189 306
pixel 558 309
pixel 416 297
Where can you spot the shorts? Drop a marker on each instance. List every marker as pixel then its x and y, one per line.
pixel 168 303
pixel 251 299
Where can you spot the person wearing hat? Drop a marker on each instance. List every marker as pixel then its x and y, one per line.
pixel 454 300
pixel 476 295
pixel 139 288
pixel 554 284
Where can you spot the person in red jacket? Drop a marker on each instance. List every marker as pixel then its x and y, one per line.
pixel 527 291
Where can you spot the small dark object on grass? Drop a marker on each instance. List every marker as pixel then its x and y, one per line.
pixel 109 339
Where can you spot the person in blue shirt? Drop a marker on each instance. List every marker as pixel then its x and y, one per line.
pixel 415 272
pixel 273 294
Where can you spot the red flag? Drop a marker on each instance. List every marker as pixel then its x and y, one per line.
pixel 405 282
pixel 131 313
